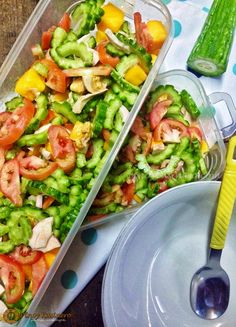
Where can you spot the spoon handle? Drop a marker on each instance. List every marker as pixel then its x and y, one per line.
pixel 226 199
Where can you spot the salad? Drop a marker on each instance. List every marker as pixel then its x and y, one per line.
pixel 57 132
pixel 164 148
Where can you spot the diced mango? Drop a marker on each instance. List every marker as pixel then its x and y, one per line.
pixel 48 147
pixel 49 257
pixel 204 147
pixel 135 75
pixel 100 36
pixel 158 32
pixel 29 84
pixel 59 97
pixel 30 286
pixel 154 57
pixel 113 18
pixel 137 198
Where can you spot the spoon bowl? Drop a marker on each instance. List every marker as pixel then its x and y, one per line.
pixel 210 285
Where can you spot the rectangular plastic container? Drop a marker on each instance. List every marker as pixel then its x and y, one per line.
pixel 208 120
pixel 47 13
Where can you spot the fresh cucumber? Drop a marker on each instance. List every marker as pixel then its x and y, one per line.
pixel 210 53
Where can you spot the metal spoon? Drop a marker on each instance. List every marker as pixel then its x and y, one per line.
pixel 210 285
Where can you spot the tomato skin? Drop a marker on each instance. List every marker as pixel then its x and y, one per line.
pixel 47 202
pixel 138 127
pixel 57 80
pixel 195 133
pixel 39 271
pixel 15 125
pixel 158 112
pixel 143 36
pixel 49 117
pixel 167 125
pixel 65 22
pixel 128 191
pixel 35 168
pixel 46 40
pixel 10 181
pixel 63 149
pixel 13 278
pixel 104 57
pixel 2 157
pixel 24 255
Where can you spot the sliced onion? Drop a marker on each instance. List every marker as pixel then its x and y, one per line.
pixel 124 113
pixel 88 83
pixel 114 40
pixel 42 129
pixel 39 201
pixel 90 71
pixel 81 102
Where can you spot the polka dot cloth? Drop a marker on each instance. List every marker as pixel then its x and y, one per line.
pixel 31 323
pixel 69 279
pixel 234 69
pixel 178 28
pixel 89 236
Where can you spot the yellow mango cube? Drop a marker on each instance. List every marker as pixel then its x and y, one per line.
pixel 100 36
pixel 135 75
pixel 113 18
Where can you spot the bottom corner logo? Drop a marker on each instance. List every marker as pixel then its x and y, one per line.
pixel 11 316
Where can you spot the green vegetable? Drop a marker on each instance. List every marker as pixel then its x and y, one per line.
pixel 5 212
pixel 125 27
pixel 58 37
pixel 155 174
pixel 81 160
pixel 14 103
pixel 112 109
pixel 41 113
pixel 3 229
pixel 210 53
pixel 122 173
pixel 6 247
pixel 99 118
pixel 40 68
pixel 189 104
pixel 11 154
pixel 50 191
pixel 66 63
pixel 65 110
pixel 118 124
pixel 20 229
pixel 157 159
pixel 123 83
pixel 112 50
pixel 178 117
pixel 144 57
pixel 126 63
pixel 97 153
pixel 162 90
pixel 174 109
pixel 33 139
pixel 182 146
pixel 78 50
pixel 112 207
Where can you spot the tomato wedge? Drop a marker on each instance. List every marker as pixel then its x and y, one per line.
pixel 56 79
pixel 158 112
pixel 15 124
pixel 10 181
pixel 39 271
pixel 36 168
pixel 47 202
pixel 2 157
pixel 25 255
pixel 13 278
pixel 128 191
pixel 138 127
pixel 46 40
pixel 167 126
pixel 104 57
pixel 195 133
pixel 49 117
pixel 63 149
pixel 65 22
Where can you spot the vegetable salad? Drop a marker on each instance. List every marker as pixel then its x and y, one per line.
pixel 56 134
pixel 164 148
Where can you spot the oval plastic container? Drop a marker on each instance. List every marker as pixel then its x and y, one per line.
pixel 209 122
pixel 46 14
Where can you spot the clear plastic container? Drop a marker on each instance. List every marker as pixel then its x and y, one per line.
pixel 46 14
pixel 208 120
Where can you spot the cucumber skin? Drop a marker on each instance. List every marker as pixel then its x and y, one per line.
pixel 211 51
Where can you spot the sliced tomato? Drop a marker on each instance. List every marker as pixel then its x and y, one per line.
pixel 128 154
pixel 46 40
pixel 57 80
pixel 162 187
pixel 13 278
pixel 158 112
pixel 2 157
pixel 39 271
pixel 3 117
pixel 25 255
pixel 89 152
pixel 63 149
pixel 15 124
pixel 35 168
pixel 128 191
pixel 65 22
pixel 106 134
pixel 47 202
pixel 138 127
pixel 50 116
pixel 104 57
pixel 10 181
pixel 148 146
pixel 143 37
pixel 166 126
pixel 195 133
